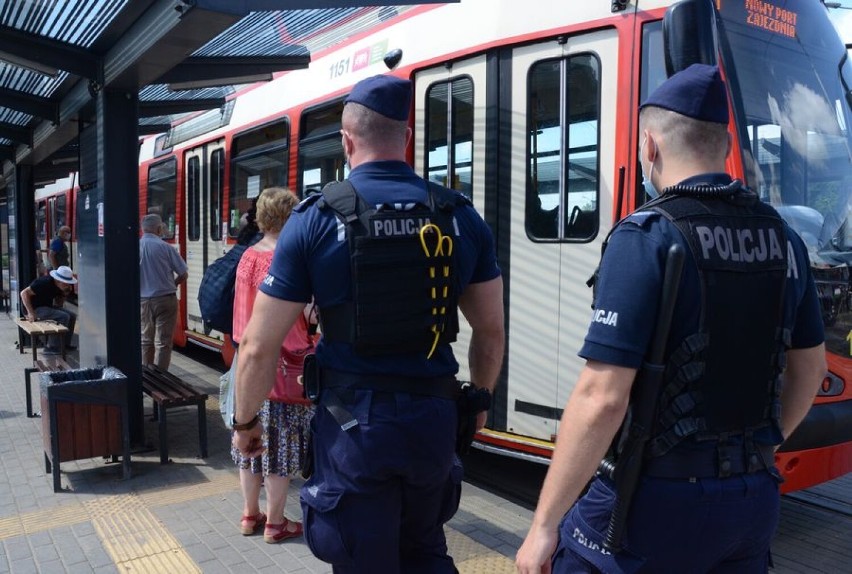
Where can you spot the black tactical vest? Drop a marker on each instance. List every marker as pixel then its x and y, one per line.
pixel 724 381
pixel 405 295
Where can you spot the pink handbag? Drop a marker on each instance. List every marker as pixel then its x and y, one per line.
pixel 291 362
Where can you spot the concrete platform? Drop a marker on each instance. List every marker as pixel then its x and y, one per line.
pixel 183 517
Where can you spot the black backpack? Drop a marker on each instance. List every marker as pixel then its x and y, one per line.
pixel 216 292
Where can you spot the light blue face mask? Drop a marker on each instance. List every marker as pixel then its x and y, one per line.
pixel 647 184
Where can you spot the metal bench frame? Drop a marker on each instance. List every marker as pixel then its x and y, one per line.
pixel 40 366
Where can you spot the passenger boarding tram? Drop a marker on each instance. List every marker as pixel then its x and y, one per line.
pixel 531 110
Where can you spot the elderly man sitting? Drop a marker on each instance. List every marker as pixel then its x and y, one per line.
pixel 44 300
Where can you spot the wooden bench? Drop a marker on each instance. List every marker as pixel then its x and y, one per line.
pixel 36 329
pixel 167 391
pixel 41 366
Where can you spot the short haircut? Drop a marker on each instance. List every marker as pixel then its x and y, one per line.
pixel 151 223
pixel 686 137
pixel 274 206
pixel 372 126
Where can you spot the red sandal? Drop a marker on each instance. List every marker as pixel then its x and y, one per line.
pixel 274 533
pixel 250 524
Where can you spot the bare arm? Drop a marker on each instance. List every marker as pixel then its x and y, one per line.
pixel 51 254
pixel 591 418
pixel 806 369
pixel 181 278
pixel 257 362
pixel 27 300
pixel 482 306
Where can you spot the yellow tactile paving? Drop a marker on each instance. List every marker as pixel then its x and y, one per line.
pixel 41 520
pixel 220 484
pixel 471 557
pixel 134 538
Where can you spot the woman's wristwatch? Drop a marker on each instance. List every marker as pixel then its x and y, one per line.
pixel 244 426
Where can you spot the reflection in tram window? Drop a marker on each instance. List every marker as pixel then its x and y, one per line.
pixel 321 149
pixel 449 120
pixel 259 161
pixel 162 193
pixel 563 122
pixel 193 193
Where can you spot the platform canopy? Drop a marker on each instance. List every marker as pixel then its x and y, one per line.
pixel 179 56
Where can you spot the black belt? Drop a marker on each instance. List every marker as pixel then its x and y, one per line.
pixel 707 464
pixel 443 387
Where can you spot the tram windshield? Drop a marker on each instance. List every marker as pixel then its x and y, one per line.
pixel 791 77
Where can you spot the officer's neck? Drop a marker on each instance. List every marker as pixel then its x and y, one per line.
pixel 674 173
pixel 367 155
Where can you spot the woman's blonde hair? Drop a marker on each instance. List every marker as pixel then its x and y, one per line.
pixel 273 208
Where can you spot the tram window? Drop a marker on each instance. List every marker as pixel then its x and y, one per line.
pixel 259 161
pixel 193 195
pixel 41 221
pixel 563 124
pixel 217 183
pixel 321 149
pixel 162 193
pixel 449 126
pixel 61 209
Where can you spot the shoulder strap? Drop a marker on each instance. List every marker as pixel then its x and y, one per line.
pixel 341 197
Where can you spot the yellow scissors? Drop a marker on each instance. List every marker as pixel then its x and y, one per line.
pixel 443 247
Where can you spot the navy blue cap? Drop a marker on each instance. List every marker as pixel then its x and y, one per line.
pixel 697 92
pixel 386 95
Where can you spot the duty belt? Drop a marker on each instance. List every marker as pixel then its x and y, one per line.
pixel 445 387
pixel 709 464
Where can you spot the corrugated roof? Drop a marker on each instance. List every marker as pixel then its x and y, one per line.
pixel 79 35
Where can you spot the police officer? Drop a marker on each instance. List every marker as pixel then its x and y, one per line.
pixel 389 260
pixel 707 499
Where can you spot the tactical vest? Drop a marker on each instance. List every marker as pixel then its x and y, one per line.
pixel 405 295
pixel 723 382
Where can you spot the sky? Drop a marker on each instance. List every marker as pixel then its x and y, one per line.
pixel 842 18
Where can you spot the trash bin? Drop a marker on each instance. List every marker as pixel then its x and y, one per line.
pixel 85 414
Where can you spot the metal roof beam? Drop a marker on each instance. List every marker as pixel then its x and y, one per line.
pixel 48 52
pixel 204 68
pixel 29 104
pixel 166 34
pixel 16 133
pixel 152 109
pixel 7 152
pixel 245 6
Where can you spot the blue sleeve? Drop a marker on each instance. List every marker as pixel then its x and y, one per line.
pixel 56 245
pixel 178 264
pixel 808 328
pixel 627 297
pixel 288 276
pixel 485 267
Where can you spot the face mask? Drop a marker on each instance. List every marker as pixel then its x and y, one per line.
pixel 647 184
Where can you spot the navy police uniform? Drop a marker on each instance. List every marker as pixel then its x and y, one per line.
pixel 387 478
pixel 705 498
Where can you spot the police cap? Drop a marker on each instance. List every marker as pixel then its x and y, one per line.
pixel 697 92
pixel 386 95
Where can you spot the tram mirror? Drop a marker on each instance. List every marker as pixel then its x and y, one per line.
pixel 392 58
pixel 689 35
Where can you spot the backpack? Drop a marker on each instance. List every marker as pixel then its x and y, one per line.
pixel 216 292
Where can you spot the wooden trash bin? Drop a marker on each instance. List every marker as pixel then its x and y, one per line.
pixel 84 415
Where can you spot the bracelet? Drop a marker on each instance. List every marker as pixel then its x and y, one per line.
pixel 244 426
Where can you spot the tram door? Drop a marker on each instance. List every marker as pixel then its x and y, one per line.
pixel 562 167
pixel 204 180
pixel 450 142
